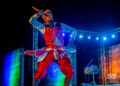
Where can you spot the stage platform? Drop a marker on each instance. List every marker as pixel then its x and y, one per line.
pixel 101 85
pixel 109 85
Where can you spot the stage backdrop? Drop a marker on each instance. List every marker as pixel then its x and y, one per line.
pixel 112 64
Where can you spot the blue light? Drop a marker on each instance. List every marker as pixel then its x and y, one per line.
pixel 89 37
pixel 81 36
pixel 97 38
pixel 113 36
pixel 71 35
pixel 104 38
pixel 63 34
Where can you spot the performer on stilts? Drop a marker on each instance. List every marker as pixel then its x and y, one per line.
pixel 54 50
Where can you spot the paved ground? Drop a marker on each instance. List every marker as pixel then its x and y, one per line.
pixel 101 85
pixel 109 85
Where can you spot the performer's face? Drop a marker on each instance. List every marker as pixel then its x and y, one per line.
pixel 49 17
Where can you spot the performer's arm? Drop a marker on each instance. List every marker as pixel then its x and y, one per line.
pixel 29 52
pixel 69 29
pixel 33 21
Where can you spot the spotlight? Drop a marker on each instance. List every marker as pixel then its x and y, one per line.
pixel 97 38
pixel 71 35
pixel 63 34
pixel 113 36
pixel 104 38
pixel 81 36
pixel 89 37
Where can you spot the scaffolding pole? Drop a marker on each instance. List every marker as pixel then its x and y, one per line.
pixel 34 59
pixel 21 67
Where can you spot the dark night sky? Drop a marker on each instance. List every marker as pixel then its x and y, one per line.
pixel 90 15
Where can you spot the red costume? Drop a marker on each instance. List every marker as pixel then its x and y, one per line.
pixel 52 52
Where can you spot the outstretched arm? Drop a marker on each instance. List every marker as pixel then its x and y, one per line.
pixel 29 52
pixel 69 29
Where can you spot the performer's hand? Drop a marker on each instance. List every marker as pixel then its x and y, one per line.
pixel 22 54
pixel 40 12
